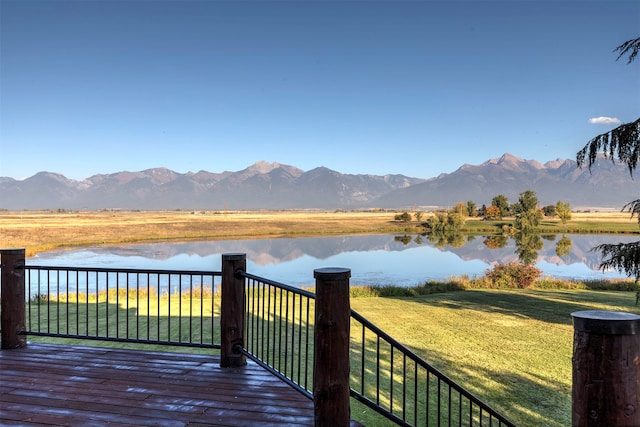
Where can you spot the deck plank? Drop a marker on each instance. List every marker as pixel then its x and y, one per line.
pixel 50 384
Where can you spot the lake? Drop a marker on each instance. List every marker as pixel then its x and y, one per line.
pixel 373 259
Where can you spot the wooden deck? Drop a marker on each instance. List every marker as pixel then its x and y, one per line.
pixel 46 384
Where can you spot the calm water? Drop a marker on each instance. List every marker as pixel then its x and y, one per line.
pixel 373 259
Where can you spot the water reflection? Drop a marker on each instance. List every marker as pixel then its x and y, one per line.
pixel 373 259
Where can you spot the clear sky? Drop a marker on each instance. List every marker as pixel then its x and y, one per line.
pixel 365 87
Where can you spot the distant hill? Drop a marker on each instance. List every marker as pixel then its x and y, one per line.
pixel 275 186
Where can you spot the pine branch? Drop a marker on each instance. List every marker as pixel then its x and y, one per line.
pixel 633 208
pixel 623 257
pixel 621 143
pixel 630 45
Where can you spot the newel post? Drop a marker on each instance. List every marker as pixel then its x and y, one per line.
pixel 232 316
pixel 606 369
pixel 13 298
pixel 331 348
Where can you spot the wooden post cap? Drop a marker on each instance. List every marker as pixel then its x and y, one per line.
pixel 331 273
pixel 233 257
pixel 12 251
pixel 602 322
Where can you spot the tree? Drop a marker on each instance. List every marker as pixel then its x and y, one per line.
pixel 418 216
pixel 622 144
pixel 502 203
pixel 527 201
pixel 563 210
pixel 629 45
pixel 471 208
pixel 528 221
pixel 446 229
pixel 461 209
pixel 445 222
pixel 528 216
pixel 549 210
pixel 404 217
pixel 492 212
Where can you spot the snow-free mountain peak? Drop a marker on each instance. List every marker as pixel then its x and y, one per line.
pixel 265 185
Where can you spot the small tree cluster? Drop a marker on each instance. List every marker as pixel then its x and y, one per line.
pixel 404 217
pixel 445 222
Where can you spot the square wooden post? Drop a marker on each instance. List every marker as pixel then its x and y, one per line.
pixel 13 319
pixel 331 386
pixel 232 317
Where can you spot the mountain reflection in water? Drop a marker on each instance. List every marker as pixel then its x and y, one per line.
pixel 373 259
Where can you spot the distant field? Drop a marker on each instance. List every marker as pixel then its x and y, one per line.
pixel 38 231
pixel 41 231
pixel 603 216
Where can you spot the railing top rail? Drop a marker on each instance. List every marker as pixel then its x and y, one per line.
pixel 290 288
pixel 124 270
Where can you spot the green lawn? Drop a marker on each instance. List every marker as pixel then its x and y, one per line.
pixel 512 349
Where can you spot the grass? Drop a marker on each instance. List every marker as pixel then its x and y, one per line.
pixel 511 348
pixel 39 231
pixel 126 314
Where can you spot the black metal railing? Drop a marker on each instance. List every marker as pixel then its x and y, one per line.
pixel 183 308
pixel 279 325
pixel 178 308
pixel 392 380
pixel 386 376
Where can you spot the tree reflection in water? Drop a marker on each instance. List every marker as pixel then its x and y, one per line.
pixel 563 247
pixel 527 246
pixel 528 243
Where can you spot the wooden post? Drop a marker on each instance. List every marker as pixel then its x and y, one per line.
pixel 13 298
pixel 232 317
pixel 606 369
pixel 331 348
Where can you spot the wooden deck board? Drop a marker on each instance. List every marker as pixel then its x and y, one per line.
pixel 46 384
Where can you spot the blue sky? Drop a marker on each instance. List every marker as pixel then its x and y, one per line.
pixel 365 87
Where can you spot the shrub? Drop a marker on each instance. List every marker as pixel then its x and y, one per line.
pixel 404 217
pixel 513 275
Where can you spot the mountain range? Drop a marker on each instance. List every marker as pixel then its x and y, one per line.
pixel 276 186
